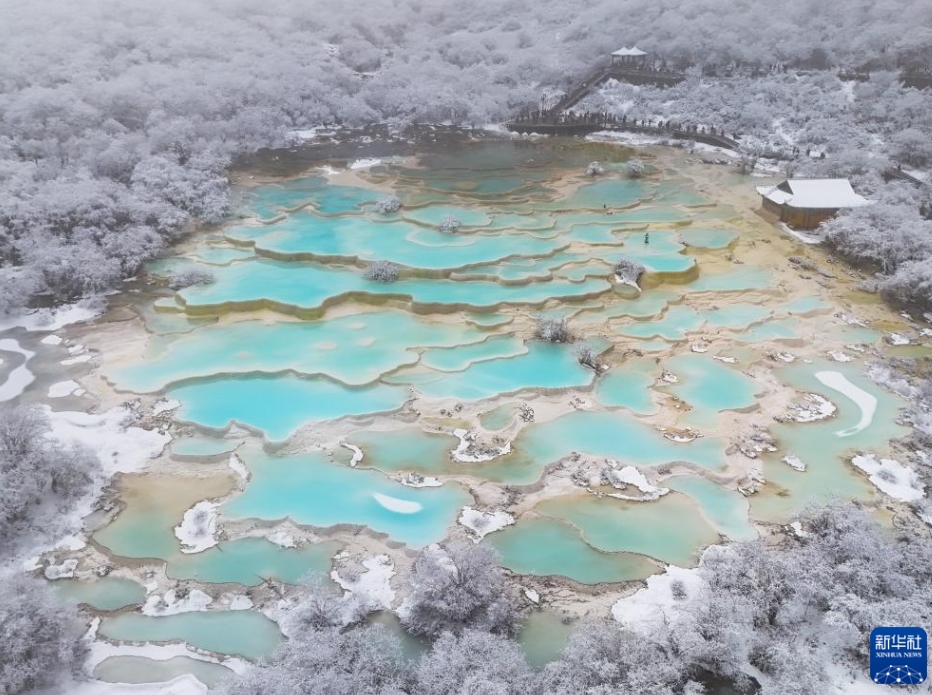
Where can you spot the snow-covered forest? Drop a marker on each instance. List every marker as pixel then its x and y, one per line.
pixel 118 120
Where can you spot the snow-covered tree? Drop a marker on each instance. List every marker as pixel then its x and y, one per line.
pixel 40 637
pixel 553 329
pixel 382 271
pixel 457 587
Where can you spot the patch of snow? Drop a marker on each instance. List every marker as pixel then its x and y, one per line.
pixel 172 604
pixel 77 350
pixel 794 462
pixel 625 138
pixel 532 595
pixel 787 357
pixel 357 453
pixel 100 651
pixel 52 340
pixel 80 359
pixel 327 170
pixel 62 389
pixel 365 163
pixel 892 477
pixel 897 339
pixel 18 379
pixel 653 607
pixel 467 440
pixel 198 528
pixel 851 320
pixel 185 684
pixel 282 538
pixel 241 603
pixel 669 377
pixel 483 523
pixel 699 347
pixel 629 475
pixel 839 356
pixel 801 236
pixel 797 527
pixel 74 541
pixel 120 448
pixel 865 401
pixel 373 587
pixel 726 359
pixel 165 405
pixel 237 466
pixel 54 319
pixel 416 480
pixel 815 407
pixel 63 571
pixel 399 506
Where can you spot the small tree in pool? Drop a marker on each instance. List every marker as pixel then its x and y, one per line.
pixel 586 356
pixel 594 169
pixel 450 224
pixel 628 271
pixel 190 277
pixel 382 271
pixel 554 329
pixel 635 168
pixel 388 205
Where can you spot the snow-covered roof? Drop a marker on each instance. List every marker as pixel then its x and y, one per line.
pixel 633 51
pixel 814 193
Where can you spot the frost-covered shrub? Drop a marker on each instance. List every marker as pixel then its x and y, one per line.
pixel 388 205
pixel 473 662
pixel 628 270
pixel 191 277
pixel 594 169
pixel 458 587
pixel 635 168
pixel 382 271
pixel 357 661
pixel 587 357
pixel 450 224
pixel 678 590
pixel 553 329
pixel 40 637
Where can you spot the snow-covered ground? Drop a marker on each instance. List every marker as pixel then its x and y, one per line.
pixel 892 477
pixel 629 475
pixel 55 319
pixel 794 461
pixel 371 588
pixel 483 523
pixel 62 389
pixel 467 440
pixel 357 453
pixel 198 529
pixel 652 607
pixel 172 604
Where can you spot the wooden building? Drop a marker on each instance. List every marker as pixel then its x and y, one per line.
pixel 806 203
pixel 632 57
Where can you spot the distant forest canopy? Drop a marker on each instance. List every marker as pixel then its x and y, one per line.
pixel 118 118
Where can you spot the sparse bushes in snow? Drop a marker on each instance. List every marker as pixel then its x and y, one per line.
pixel 382 271
pixel 191 277
pixel 40 479
pixel 450 224
pixel 553 329
pixel 594 169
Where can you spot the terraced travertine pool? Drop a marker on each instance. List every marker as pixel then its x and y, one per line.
pixel 325 391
